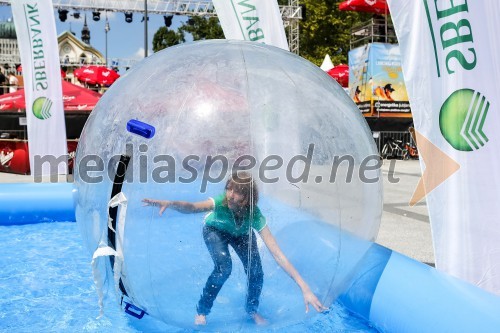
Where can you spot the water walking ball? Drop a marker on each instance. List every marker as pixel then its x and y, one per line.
pixel 175 127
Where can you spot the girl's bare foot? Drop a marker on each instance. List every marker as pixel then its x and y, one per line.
pixel 200 319
pixel 258 319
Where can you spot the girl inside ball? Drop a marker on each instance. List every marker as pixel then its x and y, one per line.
pixel 232 221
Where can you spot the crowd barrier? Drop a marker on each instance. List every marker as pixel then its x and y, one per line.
pixel 394 144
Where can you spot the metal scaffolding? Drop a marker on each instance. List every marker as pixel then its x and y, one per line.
pixel 291 13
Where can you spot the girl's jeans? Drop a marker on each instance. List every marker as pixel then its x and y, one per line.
pixel 217 243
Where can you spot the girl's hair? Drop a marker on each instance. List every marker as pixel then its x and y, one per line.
pixel 243 182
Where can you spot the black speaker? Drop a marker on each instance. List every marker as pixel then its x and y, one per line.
pixel 96 16
pixel 63 15
pixel 168 20
pixel 303 10
pixel 128 17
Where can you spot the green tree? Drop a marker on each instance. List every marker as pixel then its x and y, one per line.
pixel 165 37
pixel 202 28
pixel 326 30
pixel 198 27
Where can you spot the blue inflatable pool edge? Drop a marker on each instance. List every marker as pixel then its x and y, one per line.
pixel 398 294
pixel 393 292
pixel 25 203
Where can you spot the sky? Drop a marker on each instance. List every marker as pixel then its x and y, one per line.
pixel 125 40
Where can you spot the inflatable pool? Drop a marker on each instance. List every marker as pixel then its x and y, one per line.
pixel 172 131
pixel 393 292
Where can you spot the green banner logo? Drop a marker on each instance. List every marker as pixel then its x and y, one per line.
pixel 41 108
pixel 461 119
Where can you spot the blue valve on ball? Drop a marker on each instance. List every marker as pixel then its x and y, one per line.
pixel 140 128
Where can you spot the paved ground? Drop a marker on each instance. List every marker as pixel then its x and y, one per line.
pixel 404 229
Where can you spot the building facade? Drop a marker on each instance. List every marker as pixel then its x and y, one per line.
pixel 9 49
pixel 73 52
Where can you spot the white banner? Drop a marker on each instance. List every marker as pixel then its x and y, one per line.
pixel 449 50
pixel 253 20
pixel 37 39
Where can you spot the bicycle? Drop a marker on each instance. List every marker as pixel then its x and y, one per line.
pixel 394 149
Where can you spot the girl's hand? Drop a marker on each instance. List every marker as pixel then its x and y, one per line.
pixel 310 298
pixel 163 204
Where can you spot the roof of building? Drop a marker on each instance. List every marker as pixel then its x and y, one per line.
pixel 84 46
pixel 7 30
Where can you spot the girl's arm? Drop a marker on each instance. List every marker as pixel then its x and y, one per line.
pixel 181 206
pixel 281 259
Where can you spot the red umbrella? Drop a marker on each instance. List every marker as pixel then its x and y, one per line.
pixel 75 98
pixel 96 75
pixel 369 6
pixel 341 74
pixel 78 98
pixel 13 101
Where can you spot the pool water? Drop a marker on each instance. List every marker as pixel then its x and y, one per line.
pixel 46 285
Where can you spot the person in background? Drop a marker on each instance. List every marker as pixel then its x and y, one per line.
pixel 3 82
pixel 13 82
pixel 232 217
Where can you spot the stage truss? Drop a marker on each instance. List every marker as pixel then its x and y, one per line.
pixel 290 13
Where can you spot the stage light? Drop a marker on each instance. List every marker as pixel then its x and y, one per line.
pixel 128 17
pixel 96 16
pixel 168 20
pixel 63 15
pixel 76 15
